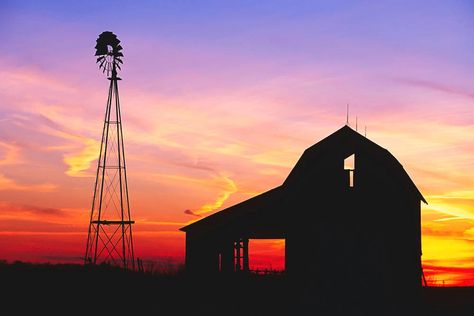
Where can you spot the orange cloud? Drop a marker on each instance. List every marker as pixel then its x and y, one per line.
pixel 11 154
pixel 7 184
pixel 79 154
pixel 459 198
pixel 223 196
pixel 81 162
pixel 40 214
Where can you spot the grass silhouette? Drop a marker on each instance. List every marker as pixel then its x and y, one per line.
pixel 69 289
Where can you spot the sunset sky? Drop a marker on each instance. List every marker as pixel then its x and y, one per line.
pixel 219 100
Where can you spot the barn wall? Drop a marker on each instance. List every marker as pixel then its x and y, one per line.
pixel 365 239
pixel 201 254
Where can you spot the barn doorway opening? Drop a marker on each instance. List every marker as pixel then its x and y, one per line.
pixel 267 256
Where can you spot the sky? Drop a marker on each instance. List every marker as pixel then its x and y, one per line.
pixel 219 100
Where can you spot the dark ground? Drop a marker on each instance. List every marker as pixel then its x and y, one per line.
pixel 42 289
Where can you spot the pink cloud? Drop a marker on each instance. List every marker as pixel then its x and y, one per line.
pixel 437 86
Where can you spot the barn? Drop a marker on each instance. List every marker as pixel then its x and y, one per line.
pixel 348 212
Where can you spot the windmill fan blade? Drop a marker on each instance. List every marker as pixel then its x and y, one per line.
pixel 118 66
pixel 100 58
pixel 115 41
pixel 97 47
pixel 108 38
pixel 102 50
pixel 119 60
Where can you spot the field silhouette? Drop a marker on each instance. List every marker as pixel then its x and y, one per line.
pixel 66 289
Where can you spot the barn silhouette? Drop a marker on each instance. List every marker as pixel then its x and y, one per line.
pixel 346 225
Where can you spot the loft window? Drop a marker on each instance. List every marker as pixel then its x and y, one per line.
pixel 349 164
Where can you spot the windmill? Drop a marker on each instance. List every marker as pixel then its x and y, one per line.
pixel 110 228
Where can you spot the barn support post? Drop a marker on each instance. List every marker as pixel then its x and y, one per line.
pixel 238 255
pixel 245 244
pixel 241 255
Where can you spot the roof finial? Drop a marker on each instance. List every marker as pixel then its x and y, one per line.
pixel 347 115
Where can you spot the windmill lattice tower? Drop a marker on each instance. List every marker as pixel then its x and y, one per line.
pixel 110 229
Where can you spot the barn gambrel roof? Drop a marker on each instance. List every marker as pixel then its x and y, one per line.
pixel 341 143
